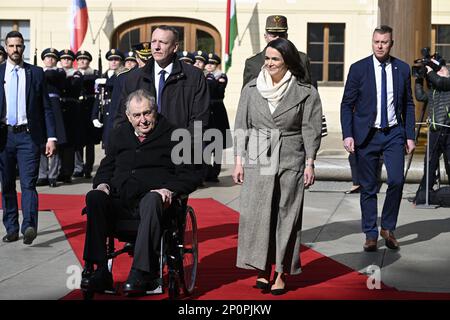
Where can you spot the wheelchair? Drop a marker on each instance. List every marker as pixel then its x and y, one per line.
pixel 178 251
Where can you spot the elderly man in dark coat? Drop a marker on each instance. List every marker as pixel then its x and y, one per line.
pixel 136 178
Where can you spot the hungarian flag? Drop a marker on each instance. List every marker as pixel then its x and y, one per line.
pixel 232 32
pixel 79 23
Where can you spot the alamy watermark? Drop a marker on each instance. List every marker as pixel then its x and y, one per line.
pixel 259 147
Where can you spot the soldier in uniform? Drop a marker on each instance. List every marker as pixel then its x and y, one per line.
pixel 54 77
pixel 130 60
pixel 103 115
pixel 276 27
pixel 186 56
pixel 201 58
pixel 70 108
pixel 88 136
pixel 2 55
pixel 217 82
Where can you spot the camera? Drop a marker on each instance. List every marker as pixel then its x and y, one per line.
pixel 434 61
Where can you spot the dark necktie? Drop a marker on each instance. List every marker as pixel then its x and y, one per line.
pixel 162 82
pixel 13 97
pixel 384 113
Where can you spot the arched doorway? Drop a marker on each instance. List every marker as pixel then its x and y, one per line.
pixel 194 34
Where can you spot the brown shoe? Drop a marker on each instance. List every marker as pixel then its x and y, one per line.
pixel 370 245
pixel 389 237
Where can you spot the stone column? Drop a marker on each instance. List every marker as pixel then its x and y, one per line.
pixel 411 22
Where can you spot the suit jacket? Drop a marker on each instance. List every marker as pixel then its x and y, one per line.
pixel 40 117
pixel 132 168
pixel 359 103
pixel 253 67
pixel 185 97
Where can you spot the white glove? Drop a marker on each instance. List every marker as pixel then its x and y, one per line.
pixel 97 123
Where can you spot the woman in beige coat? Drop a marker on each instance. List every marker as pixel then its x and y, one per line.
pixel 277 131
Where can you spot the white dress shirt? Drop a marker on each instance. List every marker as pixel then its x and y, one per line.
pixel 21 94
pixel 158 69
pixel 392 119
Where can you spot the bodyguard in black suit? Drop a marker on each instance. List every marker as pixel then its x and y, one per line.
pixel 27 121
pixel 276 27
pixel 136 178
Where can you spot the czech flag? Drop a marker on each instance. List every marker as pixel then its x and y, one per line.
pixel 79 22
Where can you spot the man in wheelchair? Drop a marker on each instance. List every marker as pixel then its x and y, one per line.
pixel 137 178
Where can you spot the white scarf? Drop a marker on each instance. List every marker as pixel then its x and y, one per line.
pixel 272 93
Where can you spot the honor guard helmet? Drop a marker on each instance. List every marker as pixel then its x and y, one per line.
pixel 201 55
pixel 114 53
pixel 130 55
pixel 83 54
pixel 143 50
pixel 67 54
pixel 213 58
pixel 186 56
pixel 50 52
pixel 276 24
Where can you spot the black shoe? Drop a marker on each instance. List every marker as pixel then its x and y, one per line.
pixel 139 282
pixel 52 183
pixel 262 285
pixel 77 174
pixel 29 235
pixel 41 182
pixel 11 237
pixel 99 281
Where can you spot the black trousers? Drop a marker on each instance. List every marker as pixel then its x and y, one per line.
pixel 439 144
pixel 103 212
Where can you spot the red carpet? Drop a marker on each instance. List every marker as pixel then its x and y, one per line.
pixel 218 278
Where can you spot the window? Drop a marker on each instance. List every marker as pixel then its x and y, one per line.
pixel 440 41
pixel 194 34
pixel 23 26
pixel 326 51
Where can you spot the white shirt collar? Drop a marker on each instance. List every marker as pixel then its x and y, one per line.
pixel 376 62
pixel 168 69
pixel 10 66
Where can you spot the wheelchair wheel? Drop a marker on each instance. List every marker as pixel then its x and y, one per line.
pixel 189 253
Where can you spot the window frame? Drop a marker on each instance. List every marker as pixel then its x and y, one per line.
pixel 326 50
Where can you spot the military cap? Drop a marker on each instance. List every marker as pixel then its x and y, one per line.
pixel 114 53
pixel 143 50
pixel 201 55
pixel 186 56
pixel 2 51
pixel 130 55
pixel 213 58
pixel 276 24
pixel 50 52
pixel 67 53
pixel 83 54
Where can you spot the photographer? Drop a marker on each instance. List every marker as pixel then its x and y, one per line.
pixel 438 100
